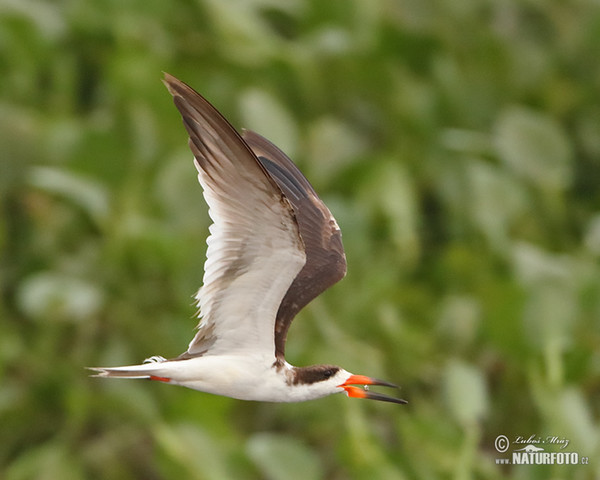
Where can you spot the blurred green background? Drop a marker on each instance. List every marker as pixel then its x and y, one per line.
pixel 457 142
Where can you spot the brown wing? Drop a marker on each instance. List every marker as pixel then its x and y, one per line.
pixel 325 258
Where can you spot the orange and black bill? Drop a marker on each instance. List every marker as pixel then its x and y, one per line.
pixel 357 392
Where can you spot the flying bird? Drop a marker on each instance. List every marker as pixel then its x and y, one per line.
pixel 273 247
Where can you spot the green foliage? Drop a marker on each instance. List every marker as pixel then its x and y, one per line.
pixel 458 145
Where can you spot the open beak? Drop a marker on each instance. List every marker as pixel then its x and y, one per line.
pixel 357 392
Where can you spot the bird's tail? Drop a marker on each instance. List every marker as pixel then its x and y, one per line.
pixel 152 370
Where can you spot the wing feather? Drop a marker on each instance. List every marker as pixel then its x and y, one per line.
pixel 254 248
pixel 325 259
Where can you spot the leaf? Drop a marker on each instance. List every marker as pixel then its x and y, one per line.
pixel 57 295
pixel 47 18
pixel 578 420
pixel 265 114
pixel 592 235
pixel 535 147
pixel 550 315
pixel 90 196
pixel 466 392
pixel 48 461
pixel 533 265
pixel 459 319
pixel 399 201
pixel 332 145
pixel 278 456
pixel 194 450
pixel 243 34
pixel 495 201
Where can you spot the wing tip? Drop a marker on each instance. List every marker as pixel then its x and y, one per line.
pixel 171 83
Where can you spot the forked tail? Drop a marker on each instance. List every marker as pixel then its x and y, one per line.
pixel 152 370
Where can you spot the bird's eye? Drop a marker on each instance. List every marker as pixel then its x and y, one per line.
pixel 328 373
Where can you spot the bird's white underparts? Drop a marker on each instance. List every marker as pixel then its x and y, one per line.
pixel 273 247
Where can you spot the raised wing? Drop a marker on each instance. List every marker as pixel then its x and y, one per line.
pixel 254 249
pixel 325 258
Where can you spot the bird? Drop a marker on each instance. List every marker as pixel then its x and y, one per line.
pixel 273 247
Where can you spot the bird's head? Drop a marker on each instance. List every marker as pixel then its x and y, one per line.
pixel 328 379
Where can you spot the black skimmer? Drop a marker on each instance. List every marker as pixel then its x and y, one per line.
pixel 273 247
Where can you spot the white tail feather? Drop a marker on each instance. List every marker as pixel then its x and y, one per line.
pixel 146 370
